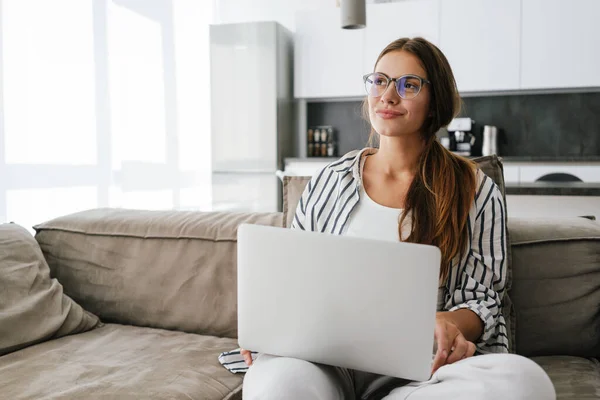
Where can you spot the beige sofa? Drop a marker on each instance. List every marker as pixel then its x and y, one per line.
pixel 164 286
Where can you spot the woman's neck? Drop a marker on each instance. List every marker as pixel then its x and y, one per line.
pixel 397 156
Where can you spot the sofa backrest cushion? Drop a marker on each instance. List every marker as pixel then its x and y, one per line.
pixel 164 269
pixel 33 307
pixel 556 286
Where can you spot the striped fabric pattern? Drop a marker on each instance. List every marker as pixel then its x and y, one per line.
pixel 234 362
pixel 477 279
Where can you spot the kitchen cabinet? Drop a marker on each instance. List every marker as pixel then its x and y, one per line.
pixel 511 173
pixel 587 173
pixel 492 45
pixel 481 39
pixel 560 42
pixel 390 21
pixel 328 60
pixel 514 172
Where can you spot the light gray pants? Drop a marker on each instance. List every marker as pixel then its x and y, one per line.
pixel 489 377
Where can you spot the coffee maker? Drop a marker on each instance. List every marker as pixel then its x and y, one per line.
pixel 461 137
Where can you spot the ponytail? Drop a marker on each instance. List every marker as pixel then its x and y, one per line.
pixel 439 200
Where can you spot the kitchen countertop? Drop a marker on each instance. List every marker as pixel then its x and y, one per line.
pixel 546 159
pixel 522 188
pixel 506 159
pixel 312 159
pixel 553 189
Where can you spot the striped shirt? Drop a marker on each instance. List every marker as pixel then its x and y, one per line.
pixel 476 280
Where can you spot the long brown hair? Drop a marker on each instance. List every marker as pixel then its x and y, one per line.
pixel 442 191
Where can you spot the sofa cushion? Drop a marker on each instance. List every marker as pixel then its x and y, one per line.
pixel 556 285
pixel 574 378
pixel 121 362
pixel 492 167
pixel 33 307
pixel 163 269
pixel 293 186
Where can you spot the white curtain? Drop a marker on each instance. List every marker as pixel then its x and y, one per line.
pixel 103 103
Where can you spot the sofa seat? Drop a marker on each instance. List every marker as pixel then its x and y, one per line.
pixel 124 362
pixel 573 377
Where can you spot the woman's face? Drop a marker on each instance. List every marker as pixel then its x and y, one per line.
pixel 390 114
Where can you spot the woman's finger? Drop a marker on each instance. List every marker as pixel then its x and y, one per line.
pixel 442 346
pixel 459 349
pixel 247 356
pixel 471 348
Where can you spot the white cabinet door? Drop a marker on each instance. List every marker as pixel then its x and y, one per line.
pixel 390 21
pixel 511 174
pixel 560 44
pixel 328 60
pixel 481 39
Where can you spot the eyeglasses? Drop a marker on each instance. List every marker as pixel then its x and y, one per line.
pixel 407 86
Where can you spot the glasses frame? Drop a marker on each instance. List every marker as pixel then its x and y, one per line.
pixel 396 80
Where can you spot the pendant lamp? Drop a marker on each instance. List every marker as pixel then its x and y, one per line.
pixel 354 14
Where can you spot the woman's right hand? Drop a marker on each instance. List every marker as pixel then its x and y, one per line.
pixel 247 354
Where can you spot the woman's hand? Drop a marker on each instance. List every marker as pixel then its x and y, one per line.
pixel 451 344
pixel 247 354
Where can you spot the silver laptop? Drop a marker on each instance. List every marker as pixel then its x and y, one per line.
pixel 344 301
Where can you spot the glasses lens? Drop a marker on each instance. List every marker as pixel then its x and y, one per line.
pixel 375 84
pixel 408 87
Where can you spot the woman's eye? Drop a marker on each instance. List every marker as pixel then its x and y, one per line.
pixel 411 87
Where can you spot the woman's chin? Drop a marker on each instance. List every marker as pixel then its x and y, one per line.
pixel 391 131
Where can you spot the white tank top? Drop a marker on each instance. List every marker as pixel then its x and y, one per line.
pixel 371 220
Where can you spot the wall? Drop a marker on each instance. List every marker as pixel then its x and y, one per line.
pixel 530 125
pixel 541 125
pixel 282 11
pixel 351 130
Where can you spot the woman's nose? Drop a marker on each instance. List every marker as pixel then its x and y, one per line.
pixel 390 95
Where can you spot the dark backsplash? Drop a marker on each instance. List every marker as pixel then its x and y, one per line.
pixel 351 130
pixel 550 125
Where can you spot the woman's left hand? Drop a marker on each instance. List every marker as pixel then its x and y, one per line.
pixel 451 344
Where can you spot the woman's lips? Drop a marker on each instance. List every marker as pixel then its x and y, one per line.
pixel 389 114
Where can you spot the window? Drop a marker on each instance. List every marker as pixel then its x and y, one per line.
pixel 105 103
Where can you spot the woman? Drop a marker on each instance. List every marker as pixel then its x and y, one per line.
pixel 413 189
